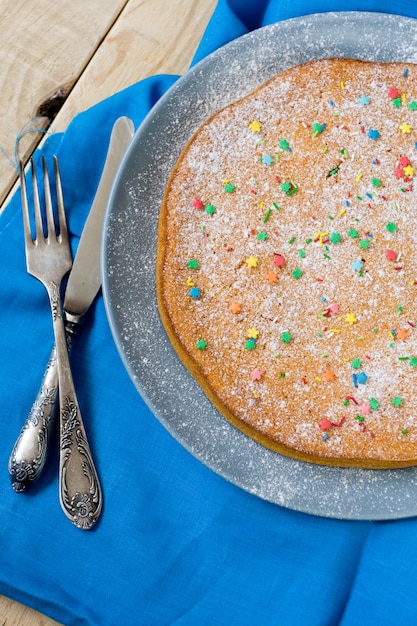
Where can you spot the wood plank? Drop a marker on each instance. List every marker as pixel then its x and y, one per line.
pixel 45 48
pixel 148 37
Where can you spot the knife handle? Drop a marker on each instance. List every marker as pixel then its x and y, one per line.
pixel 31 448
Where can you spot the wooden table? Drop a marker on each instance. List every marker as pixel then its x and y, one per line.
pixel 60 58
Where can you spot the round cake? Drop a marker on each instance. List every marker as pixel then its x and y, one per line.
pixel 287 262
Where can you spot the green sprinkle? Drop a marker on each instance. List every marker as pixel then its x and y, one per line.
pixel 391 227
pixel 282 374
pixel 364 244
pixel 284 145
pixel 374 404
pixel 308 241
pixel 263 236
pixel 396 103
pixel 250 344
pixel 229 188
pixel 356 363
pixel 344 153
pixel 201 344
pixel 274 204
pixel 332 172
pixel 413 362
pixel 267 216
pixel 376 182
pixel 413 106
pixel 360 418
pixel 403 358
pixel 209 208
pixel 301 254
pixel 397 401
pixel 286 337
pixel 335 238
pixel 192 264
pixel 326 256
pixel 297 273
pixel 286 187
pixel 292 239
pixel 353 233
pixel 359 198
pixel 399 310
pixel 346 403
pixel 404 431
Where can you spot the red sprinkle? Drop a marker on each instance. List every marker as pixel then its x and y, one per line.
pixel 198 204
pixel 393 93
pixel 353 399
pixel 391 255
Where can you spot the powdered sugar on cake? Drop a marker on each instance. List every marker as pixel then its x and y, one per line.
pixel 287 271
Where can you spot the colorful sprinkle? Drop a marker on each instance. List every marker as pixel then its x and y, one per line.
pixel 297 273
pixel 256 374
pixel 195 292
pixel 286 337
pixel 201 344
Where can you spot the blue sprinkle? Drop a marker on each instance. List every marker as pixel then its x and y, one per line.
pixel 363 100
pixel 362 378
pixel 325 437
pixel 369 195
pixel 267 159
pixel 355 380
pixel 347 203
pixel 331 103
pixel 195 292
pixel 374 134
pixel 405 73
pixel 324 299
pixel 357 265
pixel 394 333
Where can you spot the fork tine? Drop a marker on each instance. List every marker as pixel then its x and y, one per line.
pixel 48 201
pixel 25 206
pixel 63 231
pixel 36 203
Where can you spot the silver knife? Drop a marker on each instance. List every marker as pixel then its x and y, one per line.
pixel 30 450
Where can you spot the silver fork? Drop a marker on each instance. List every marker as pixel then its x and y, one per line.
pixel 48 258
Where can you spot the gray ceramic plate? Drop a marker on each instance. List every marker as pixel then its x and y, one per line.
pixel 129 266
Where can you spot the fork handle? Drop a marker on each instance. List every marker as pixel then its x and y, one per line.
pixel 30 451
pixel 79 487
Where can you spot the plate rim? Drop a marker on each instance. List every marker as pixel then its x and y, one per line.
pixel 112 314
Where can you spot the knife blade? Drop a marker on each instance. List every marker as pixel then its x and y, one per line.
pixel 30 451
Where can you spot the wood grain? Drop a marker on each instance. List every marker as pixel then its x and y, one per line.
pixel 89 50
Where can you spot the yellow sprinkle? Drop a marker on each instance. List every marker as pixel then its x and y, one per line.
pixel 342 85
pixel 345 360
pixel 413 282
pixel 358 177
pixel 318 379
pixel 391 334
pixel 342 212
pixel 335 330
pixel 262 205
pixel 225 181
pixel 190 282
pixel 403 98
pixel 256 395
pixel 405 129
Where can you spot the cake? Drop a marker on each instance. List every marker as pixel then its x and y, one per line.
pixel 287 262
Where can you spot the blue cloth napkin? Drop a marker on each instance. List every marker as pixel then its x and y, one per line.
pixel 176 543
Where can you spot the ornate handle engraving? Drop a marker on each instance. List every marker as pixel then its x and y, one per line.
pixel 79 487
pixel 31 448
